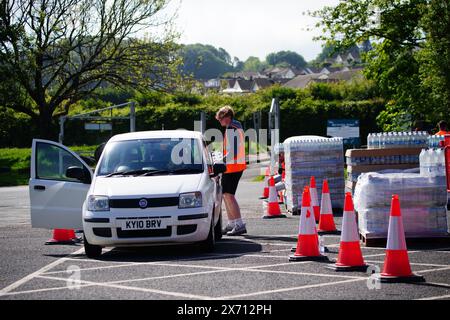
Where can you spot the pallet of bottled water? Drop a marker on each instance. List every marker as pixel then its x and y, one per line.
pixel 432 162
pixel 386 140
pixel 423 202
pixel 307 156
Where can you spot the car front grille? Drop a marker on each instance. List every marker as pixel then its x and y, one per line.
pixel 151 203
pixel 154 233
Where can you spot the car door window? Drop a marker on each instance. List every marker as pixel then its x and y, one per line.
pixel 53 161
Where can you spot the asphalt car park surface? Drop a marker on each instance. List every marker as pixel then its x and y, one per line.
pixel 254 266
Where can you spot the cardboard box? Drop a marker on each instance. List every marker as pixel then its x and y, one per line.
pixel 379 167
pixel 353 153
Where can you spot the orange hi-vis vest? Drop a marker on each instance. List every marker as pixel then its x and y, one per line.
pixel 442 133
pixel 234 152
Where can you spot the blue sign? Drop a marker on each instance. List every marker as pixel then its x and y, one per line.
pixel 344 128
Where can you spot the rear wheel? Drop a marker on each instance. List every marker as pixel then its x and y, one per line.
pixel 209 244
pixel 91 250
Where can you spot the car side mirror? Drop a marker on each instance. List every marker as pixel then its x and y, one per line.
pixel 79 174
pixel 219 168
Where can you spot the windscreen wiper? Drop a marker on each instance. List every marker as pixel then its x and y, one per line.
pixel 175 171
pixel 130 173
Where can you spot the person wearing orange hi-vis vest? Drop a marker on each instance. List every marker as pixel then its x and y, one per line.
pixel 234 158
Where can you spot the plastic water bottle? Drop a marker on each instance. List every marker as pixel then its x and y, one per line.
pixel 422 162
pixel 321 245
pixel 429 163
pixel 371 141
pixel 440 162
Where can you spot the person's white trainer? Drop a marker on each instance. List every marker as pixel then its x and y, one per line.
pixel 227 229
pixel 237 230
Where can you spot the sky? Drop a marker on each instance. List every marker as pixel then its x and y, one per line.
pixel 250 27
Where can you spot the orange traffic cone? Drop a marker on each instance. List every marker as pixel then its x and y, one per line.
pixel 314 199
pixel 266 185
pixel 273 208
pixel 308 241
pixel 350 256
pixel 396 263
pixel 326 221
pixel 280 195
pixel 62 236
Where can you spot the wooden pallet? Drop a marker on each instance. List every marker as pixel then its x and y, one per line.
pixel 381 242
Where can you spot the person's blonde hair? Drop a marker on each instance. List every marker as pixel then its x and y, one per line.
pixel 224 112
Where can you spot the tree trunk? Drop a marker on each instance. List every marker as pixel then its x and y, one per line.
pixel 46 127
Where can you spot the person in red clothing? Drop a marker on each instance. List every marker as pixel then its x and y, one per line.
pixel 234 158
pixel 443 128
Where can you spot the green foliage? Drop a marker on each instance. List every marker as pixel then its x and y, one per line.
pixel 410 60
pixel 290 58
pixel 205 61
pixel 56 53
pixel 254 64
pixel 308 109
pixel 15 164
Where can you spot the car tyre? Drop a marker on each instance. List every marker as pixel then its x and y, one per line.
pixel 209 244
pixel 218 227
pixel 92 251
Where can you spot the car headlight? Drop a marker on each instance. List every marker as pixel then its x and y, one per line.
pixel 98 203
pixel 190 200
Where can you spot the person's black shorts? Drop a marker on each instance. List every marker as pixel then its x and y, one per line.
pixel 230 182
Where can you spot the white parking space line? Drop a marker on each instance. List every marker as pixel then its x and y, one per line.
pixel 415 263
pixel 36 273
pixel 436 298
pixel 287 289
pixel 310 286
pixel 14 293
pixel 156 262
pixel 147 290
pixel 254 269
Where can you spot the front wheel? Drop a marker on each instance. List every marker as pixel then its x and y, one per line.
pixel 209 244
pixel 218 228
pixel 92 251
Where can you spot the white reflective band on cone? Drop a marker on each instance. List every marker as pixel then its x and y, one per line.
pixel 314 197
pixel 273 197
pixel 396 236
pixel 325 204
pixel 349 231
pixel 307 224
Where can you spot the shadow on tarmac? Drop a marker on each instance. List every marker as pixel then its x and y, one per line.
pixel 224 250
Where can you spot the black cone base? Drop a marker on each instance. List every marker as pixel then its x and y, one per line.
pixel 407 279
pixel 347 268
pixel 295 258
pixel 275 216
pixel 52 242
pixel 328 232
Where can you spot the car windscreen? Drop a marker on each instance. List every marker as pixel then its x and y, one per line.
pixel 151 156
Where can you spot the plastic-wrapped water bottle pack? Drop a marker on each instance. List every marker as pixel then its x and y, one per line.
pixel 316 156
pixel 423 201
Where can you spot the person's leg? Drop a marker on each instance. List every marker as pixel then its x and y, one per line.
pixel 233 210
pixel 229 186
pixel 231 222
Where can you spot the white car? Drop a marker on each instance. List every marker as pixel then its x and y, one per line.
pixel 149 188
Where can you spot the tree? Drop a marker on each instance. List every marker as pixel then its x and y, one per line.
pixel 205 61
pixel 290 58
pixel 410 59
pixel 55 52
pixel 253 64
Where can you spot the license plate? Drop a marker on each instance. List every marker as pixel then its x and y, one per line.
pixel 144 224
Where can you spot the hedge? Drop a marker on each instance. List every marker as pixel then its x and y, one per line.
pixel 302 112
